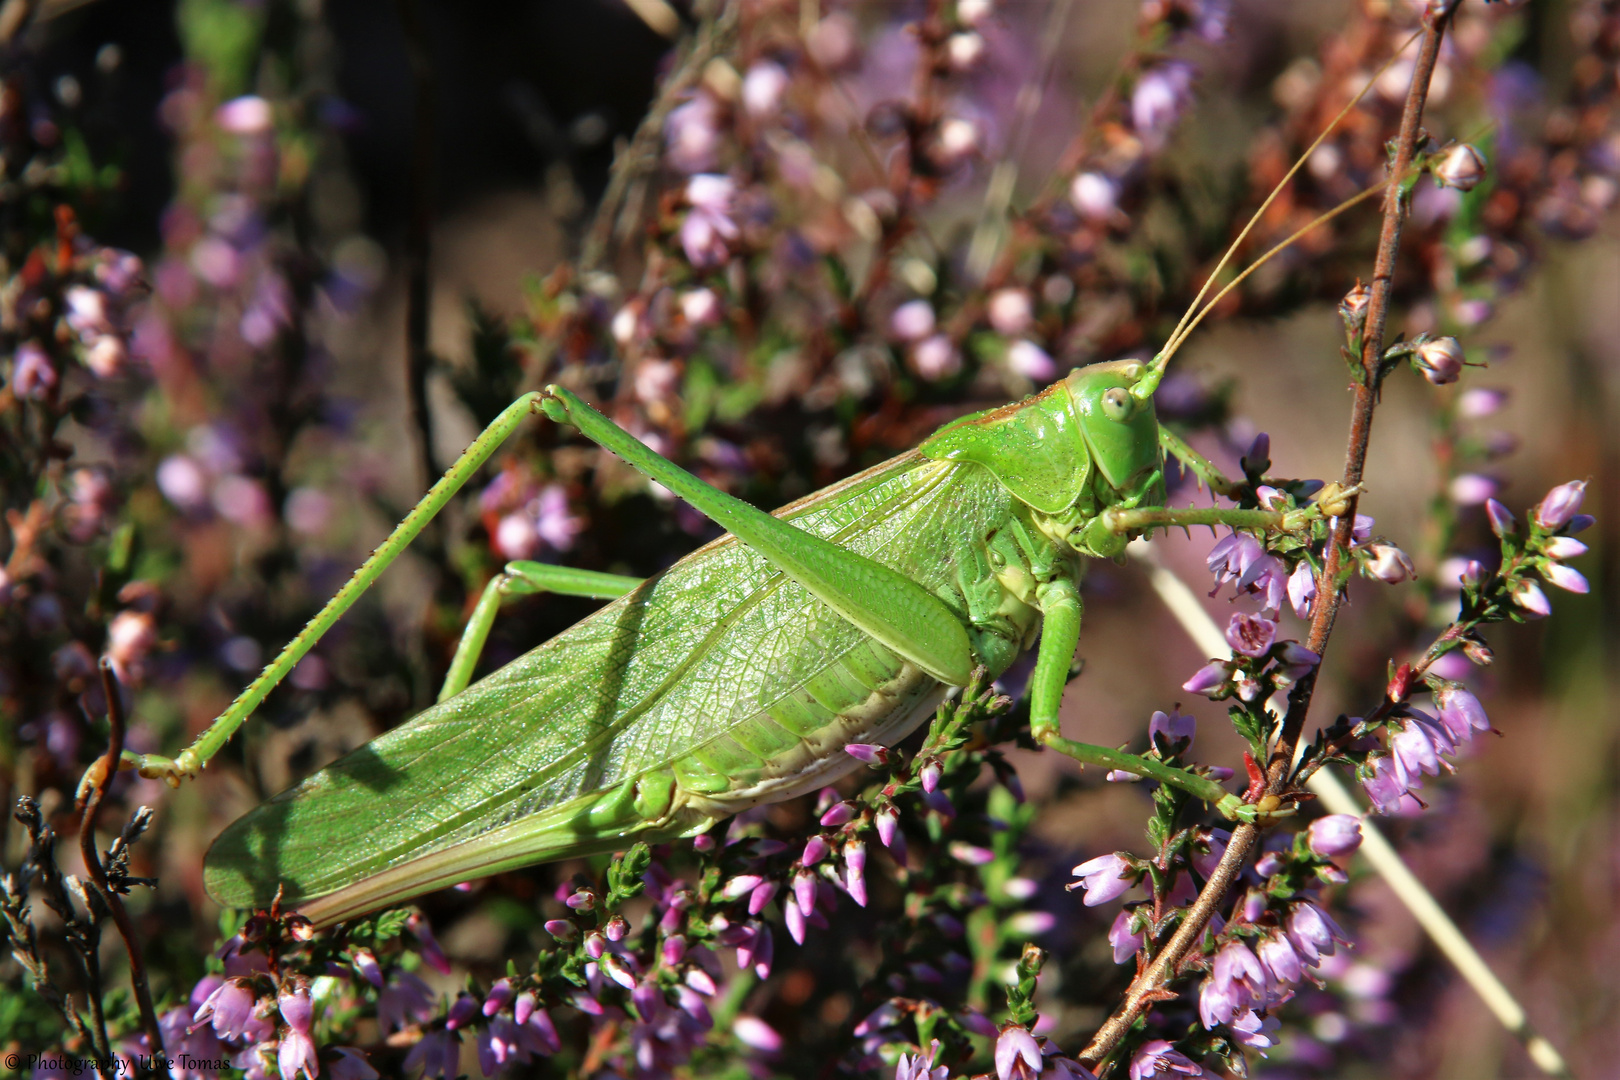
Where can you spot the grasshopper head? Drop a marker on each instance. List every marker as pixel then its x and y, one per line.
pixel 1117 422
pixel 1047 448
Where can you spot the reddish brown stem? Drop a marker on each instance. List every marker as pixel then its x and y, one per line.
pixel 92 858
pixel 1150 983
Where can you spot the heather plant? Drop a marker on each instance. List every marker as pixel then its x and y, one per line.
pixel 836 228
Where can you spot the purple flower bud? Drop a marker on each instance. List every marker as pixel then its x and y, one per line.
pixel 1157 101
pixel 971 854
pixel 815 849
pixel 1334 835
pixel 704 844
pixel 523 1007
pixel 543 1032
pixel 618 969
pixel 1269 864
pixel 1293 655
pixel 1212 680
pixel 1313 933
pixel 754 1032
pixel 499 996
pixel 855 871
pixel 1440 360
pixel 1388 564
pixel 701 981
pixel 1530 598
pixel 1560 504
pixel 1030 924
pixel 1104 878
pixel 648 999
pixel 837 815
pixel 1566 578
pixel 912 321
pixel 616 928
pixel 1471 489
pixel 740 886
pixel 583 900
pixel 1028 359
pixel 939 803
pixel 762 88
pixel 1009 311
pixel 1460 166
pixel 1385 784
pixel 936 358
pixel 1205 855
pixel 463 1012
pixel 931 774
pixel 297 1054
pixel 1094 196
pixel 793 915
pixel 351 1064
pixel 1174 729
pixel 1248 634
pixel 229 1007
pixel 1479 402
pixel 691 133
pixel 1563 547
pixel 1123 938
pixel 561 929
pixel 1503 524
pixel 1580 523
pixel 1258 459
pixel 888 826
pixel 1016 1042
pixel 763 893
pixel 804 891
pixel 692 1004
pixel 1302 589
pixel 365 962
pixel 870 753
pixel 248 115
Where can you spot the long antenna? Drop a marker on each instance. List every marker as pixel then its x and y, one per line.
pixel 1156 369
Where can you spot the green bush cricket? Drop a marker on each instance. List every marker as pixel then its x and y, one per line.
pixel 737 676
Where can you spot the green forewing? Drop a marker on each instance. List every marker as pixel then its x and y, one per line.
pixel 634 688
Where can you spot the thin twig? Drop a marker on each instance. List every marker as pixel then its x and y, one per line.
pixel 1150 983
pixel 92 859
pixel 419 227
pixel 1185 607
pixel 712 37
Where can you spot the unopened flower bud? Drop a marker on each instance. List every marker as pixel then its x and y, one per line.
pixel 1387 563
pixel 1563 547
pixel 1334 835
pixel 1353 308
pixel 1565 577
pixel 1503 523
pixel 1440 360
pixel 1531 600
pixel 1559 507
pixel 1460 167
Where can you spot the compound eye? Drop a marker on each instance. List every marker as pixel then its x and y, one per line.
pixel 1117 404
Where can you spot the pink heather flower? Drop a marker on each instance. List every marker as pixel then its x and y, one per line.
pixel 1471 489
pixel 1566 578
pixel 1461 713
pixel 1010 311
pixel 1334 835
pixel 1558 508
pixel 32 375
pixel 1388 564
pixel 870 753
pixel 763 894
pixel 1563 547
pixel 500 995
pixel 351 1064
pixel 1125 941
pixel 1231 557
pixel 463 1012
pixel 1302 589
pixel 1479 402
pixel 1158 1058
pixel 762 88
pixel 437 1054
pixel 1173 728
pixel 1385 784
pixel 1014 1045
pixel 1104 878
pixel 741 885
pixel 1236 982
pixel 1440 360
pixel 250 115
pixel 754 1032
pixel 1460 166
pixel 1503 523
pixel 1030 360
pixel 1280 959
pixel 1313 933
pixel 837 814
pixel 912 321
pixel 700 307
pixel 1158 100
pixel 365 962
pixel 405 1000
pixel 1251 1031
pixel 1212 680
pixel 1530 599
pixel 930 776
pixel 229 1008
pixel 1094 196
pixel 888 826
pixel 616 929
pixel 921 1066
pixel 1206 854
pixel 855 871
pixel 1417 748
pixel 1030 924
pixel 561 929
pixel 936 358
pixel 815 849
pixel 692 136
pixel 1250 635
pixel 971 854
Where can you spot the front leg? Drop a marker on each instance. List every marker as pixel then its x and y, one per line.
pixel 1060 634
